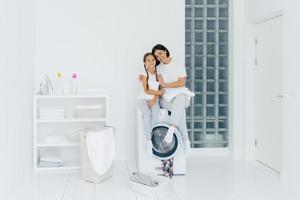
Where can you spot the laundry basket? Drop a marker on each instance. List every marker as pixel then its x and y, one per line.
pixel 97 148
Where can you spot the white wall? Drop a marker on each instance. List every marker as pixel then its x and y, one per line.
pixel 236 84
pixel 250 106
pixel 105 42
pixel 291 133
pixel 256 9
pixel 16 86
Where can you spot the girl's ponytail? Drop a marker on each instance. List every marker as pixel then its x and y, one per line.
pixel 147 77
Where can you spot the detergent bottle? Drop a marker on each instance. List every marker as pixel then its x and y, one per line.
pixel 74 84
pixel 59 84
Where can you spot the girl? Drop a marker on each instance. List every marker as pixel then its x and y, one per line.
pixel 149 96
pixel 172 76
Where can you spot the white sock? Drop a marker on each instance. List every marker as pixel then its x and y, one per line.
pixel 169 135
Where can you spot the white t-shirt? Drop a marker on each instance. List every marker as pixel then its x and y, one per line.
pixel 172 71
pixel 152 83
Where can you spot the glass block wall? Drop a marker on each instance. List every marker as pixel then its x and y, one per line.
pixel 206 59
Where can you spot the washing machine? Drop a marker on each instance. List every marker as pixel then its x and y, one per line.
pixel 152 163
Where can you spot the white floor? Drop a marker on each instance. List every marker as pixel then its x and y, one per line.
pixel 208 179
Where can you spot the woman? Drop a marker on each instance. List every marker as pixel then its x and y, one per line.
pixel 172 76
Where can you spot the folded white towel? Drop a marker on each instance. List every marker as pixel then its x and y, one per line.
pixel 52 110
pixel 50 164
pixel 51 159
pixel 89 111
pixel 50 155
pixel 73 135
pixel 54 139
pixel 90 107
pixel 171 93
pixel 51 113
pixel 52 116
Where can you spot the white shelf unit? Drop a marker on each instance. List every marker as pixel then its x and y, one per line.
pixel 71 120
pixel 69 151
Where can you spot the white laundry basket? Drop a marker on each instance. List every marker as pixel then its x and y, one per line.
pixel 97 154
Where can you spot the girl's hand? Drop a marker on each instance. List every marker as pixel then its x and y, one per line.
pixel 160 92
pixel 152 101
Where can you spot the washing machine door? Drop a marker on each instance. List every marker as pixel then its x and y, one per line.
pixel 161 149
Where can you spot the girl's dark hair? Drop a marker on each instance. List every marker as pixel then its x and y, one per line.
pixel 160 47
pixel 144 60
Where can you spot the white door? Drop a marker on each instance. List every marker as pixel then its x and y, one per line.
pixel 268 97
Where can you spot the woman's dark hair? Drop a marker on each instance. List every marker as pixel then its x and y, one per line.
pixel 144 60
pixel 160 47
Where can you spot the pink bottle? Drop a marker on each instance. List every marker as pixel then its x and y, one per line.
pixel 74 86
